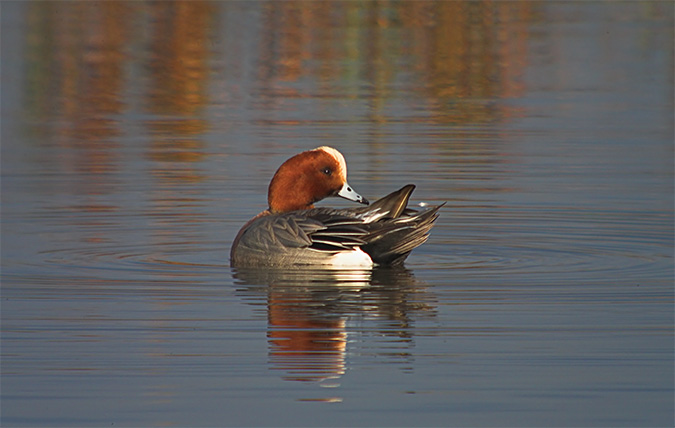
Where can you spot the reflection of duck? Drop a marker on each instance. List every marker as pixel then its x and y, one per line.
pixel 306 346
pixel 309 312
pixel 292 232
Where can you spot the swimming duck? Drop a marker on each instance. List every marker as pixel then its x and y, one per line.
pixel 292 232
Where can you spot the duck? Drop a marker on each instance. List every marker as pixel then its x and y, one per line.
pixel 292 232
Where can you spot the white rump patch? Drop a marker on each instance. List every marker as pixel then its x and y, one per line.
pixel 338 157
pixel 351 259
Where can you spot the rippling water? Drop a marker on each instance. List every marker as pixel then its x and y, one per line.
pixel 138 137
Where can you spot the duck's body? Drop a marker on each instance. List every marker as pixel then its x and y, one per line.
pixel 294 233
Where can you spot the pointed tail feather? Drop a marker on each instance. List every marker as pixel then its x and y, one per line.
pixel 394 203
pixel 394 241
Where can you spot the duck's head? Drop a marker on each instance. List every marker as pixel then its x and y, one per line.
pixel 309 177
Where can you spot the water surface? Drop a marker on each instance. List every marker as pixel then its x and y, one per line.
pixel 138 137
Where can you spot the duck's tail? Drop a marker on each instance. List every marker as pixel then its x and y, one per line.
pixel 401 229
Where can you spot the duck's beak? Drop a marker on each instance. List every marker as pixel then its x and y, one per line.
pixel 348 193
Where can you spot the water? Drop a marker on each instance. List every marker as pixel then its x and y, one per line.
pixel 138 137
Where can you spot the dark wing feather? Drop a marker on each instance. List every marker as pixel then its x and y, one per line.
pixel 392 241
pixel 339 233
pixel 316 229
pixel 388 240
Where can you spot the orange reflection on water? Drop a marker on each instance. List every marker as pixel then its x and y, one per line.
pixel 306 349
pixel 460 50
pixel 100 71
pixel 76 63
pixel 89 64
pixel 179 54
pixel 79 54
pixel 82 54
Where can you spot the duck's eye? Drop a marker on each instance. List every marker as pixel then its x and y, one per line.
pixel 327 171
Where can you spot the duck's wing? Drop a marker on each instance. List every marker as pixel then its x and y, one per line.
pixel 339 233
pixel 394 230
pixel 317 229
pixel 390 242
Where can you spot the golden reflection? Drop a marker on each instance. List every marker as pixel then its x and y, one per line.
pixel 467 56
pixel 74 84
pixel 90 64
pixel 307 349
pixel 179 55
pixel 76 63
pixel 179 70
pixel 95 71
pixel 85 59
pixel 459 50
pixel 175 148
pixel 78 59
